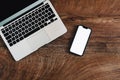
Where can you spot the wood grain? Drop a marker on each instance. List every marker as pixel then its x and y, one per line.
pixel 54 61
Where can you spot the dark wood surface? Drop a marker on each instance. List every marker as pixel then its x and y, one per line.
pixel 101 60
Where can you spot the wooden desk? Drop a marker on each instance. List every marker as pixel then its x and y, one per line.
pixel 101 60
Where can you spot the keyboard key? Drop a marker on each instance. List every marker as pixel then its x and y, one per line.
pixel 29 25
pixel 55 19
pixel 39 10
pixel 42 17
pixel 26 27
pixel 19 31
pixel 46 10
pixel 45 24
pixel 36 16
pixel 30 16
pixel 46 15
pixel 36 21
pixel 33 27
pixel 21 38
pixel 23 24
pixel 42 26
pixel 26 31
pixel 43 9
pixel 49 13
pixel 26 18
pixel 39 19
pixel 43 13
pixel 16 36
pixel 23 20
pixel 16 28
pixel 11 44
pixel 33 14
pixel 10 32
pixel 13 34
pixel 19 34
pixel 40 14
pixel 30 20
pixel 26 22
pixel 13 38
pixel 17 24
pixel 17 40
pixel 3 31
pixel 23 33
pixel 33 23
pixel 39 23
pixel 29 29
pixel 13 25
pixel 52 20
pixel 14 42
pixel 20 22
pixel 7 29
pixel 13 30
pixel 10 27
pixel 36 25
pixel 46 19
pixel 9 41
pixel 36 12
pixel 43 21
pixel 23 28
pixel 20 26
pixel 33 18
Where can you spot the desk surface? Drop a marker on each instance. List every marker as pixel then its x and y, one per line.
pixel 55 62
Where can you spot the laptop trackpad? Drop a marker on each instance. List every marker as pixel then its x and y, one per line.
pixel 38 39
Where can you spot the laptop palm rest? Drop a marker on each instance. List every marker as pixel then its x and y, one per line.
pixel 38 39
pixel 29 45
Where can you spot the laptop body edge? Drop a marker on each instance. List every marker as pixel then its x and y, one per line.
pixel 33 42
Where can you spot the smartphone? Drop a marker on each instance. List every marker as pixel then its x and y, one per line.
pixel 80 40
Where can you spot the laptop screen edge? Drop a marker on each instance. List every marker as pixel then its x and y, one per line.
pixel 20 12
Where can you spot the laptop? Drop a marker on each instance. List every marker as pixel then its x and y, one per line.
pixel 26 25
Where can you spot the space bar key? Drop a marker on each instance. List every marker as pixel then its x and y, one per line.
pixel 33 31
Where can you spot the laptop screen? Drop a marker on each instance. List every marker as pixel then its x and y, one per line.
pixel 9 7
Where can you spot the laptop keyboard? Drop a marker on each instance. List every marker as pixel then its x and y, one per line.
pixel 28 24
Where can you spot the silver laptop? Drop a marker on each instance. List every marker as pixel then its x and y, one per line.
pixel 26 25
